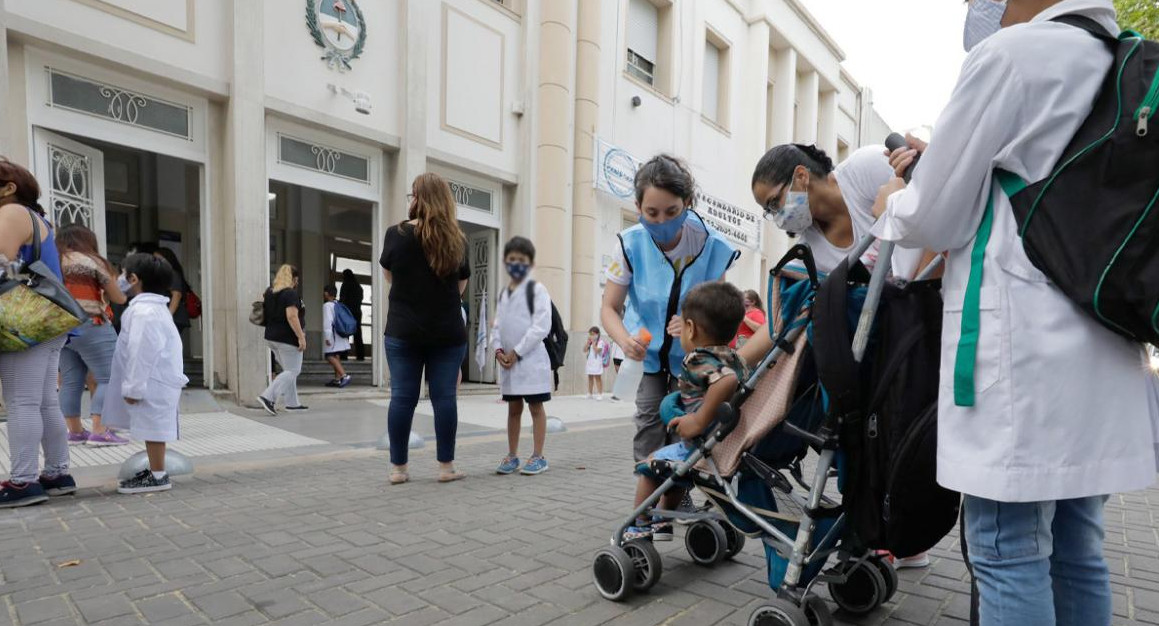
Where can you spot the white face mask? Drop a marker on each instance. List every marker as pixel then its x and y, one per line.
pixel 795 216
pixel 983 18
pixel 123 283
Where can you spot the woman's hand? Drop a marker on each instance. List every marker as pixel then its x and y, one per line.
pixel 902 158
pixel 894 184
pixel 634 349
pixel 675 325
pixel 301 343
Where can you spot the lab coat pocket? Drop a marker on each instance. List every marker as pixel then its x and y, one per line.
pixel 988 360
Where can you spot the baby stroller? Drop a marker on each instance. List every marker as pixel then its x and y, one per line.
pixel 748 464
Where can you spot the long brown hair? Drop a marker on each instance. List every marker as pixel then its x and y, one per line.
pixel 79 239
pixel 443 241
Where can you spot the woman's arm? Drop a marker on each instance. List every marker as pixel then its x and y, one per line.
pixel 113 291
pixel 388 275
pixel 174 301
pixel 754 322
pixel 15 229
pixel 613 303
pixel 296 325
pixel 757 347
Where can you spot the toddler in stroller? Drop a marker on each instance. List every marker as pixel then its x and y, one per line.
pixel 746 461
pixel 712 373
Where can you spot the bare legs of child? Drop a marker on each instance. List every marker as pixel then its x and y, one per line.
pixel 536 464
pixel 340 377
pixel 646 527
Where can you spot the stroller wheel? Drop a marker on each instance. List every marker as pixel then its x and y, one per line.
pixel 863 591
pixel 888 573
pixel 779 612
pixel 646 562
pixel 614 573
pixel 734 539
pixel 817 611
pixel 706 542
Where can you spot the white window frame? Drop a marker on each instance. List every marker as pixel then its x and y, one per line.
pixel 642 41
pixel 721 89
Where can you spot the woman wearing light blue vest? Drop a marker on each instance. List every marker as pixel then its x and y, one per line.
pixel 668 253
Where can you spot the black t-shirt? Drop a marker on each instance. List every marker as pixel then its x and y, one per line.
pixel 181 316
pixel 424 308
pixel 277 326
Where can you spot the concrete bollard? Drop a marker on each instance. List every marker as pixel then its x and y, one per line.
pixel 416 441
pixel 555 425
pixel 176 464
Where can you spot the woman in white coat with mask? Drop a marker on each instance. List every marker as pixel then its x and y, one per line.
pixel 1056 413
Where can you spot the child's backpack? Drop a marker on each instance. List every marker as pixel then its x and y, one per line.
pixel 556 339
pixel 345 325
pixel 887 410
pixel 1093 224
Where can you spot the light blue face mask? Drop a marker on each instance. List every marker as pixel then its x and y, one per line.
pixel 983 18
pixel 665 233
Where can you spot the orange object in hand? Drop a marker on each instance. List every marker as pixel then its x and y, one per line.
pixel 645 336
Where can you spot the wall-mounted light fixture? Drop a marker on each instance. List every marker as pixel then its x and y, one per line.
pixel 361 99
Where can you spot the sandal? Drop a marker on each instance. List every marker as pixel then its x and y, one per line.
pixel 448 473
pixel 398 474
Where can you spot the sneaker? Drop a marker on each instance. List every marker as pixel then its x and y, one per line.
pixel 588 397
pixel 508 465
pixel 686 506
pixel 267 405
pixel 62 485
pixel 14 494
pixel 144 482
pixel 107 438
pixel 298 409
pixel 638 532
pixel 535 465
pixel 661 530
pixel 600 398
pixel 332 383
pixel 78 439
pixel 344 381
pixel 615 399
pixel 912 562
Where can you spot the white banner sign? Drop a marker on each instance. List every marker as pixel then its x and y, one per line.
pixel 615 170
pixel 615 174
pixel 739 225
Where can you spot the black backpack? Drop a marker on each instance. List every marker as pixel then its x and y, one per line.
pixel 1092 226
pixel 887 410
pixel 556 339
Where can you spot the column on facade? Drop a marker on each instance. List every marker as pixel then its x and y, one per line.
pixel 412 159
pixel 782 125
pixel 755 105
pixel 827 123
pixel 553 145
pixel 248 241
pixel 807 97
pixel 5 113
pixel 585 209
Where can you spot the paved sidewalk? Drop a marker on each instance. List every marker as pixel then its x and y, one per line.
pixel 327 541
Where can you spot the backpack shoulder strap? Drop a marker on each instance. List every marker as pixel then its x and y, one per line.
pixel 531 297
pixel 1087 24
pixel 35 236
pixel 832 342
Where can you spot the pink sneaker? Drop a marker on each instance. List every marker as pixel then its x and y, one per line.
pixel 79 439
pixel 107 438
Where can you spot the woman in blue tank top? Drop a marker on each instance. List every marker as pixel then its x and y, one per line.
pixel 29 378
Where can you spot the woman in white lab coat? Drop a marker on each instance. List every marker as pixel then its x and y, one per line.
pixel 1056 415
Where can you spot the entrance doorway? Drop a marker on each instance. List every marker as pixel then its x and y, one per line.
pixel 324 234
pixel 482 291
pixel 130 198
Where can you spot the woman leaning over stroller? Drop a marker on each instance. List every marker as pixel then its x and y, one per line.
pixel 670 246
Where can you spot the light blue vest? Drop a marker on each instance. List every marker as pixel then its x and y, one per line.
pixel 656 293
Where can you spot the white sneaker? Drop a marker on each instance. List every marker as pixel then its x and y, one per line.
pixel 589 396
pixel 912 562
pixel 600 398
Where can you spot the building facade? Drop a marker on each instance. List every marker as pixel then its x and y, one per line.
pixel 244 134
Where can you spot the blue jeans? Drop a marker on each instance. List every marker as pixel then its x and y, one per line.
pixel 407 361
pixel 1039 563
pixel 91 350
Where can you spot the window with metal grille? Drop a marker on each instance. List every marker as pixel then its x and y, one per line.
pixel 643 40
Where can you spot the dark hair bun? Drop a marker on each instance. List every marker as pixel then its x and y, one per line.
pixel 818 155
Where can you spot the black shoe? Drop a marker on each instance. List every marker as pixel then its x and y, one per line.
pixel 14 494
pixel 298 409
pixel 686 506
pixel 333 383
pixel 268 406
pixel 62 485
pixel 145 482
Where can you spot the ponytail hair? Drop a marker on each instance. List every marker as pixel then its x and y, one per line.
pixel 668 173
pixel 778 164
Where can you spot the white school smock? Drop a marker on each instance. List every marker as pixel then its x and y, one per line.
pixel 337 343
pixel 516 329
pixel 148 366
pixel 1063 405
